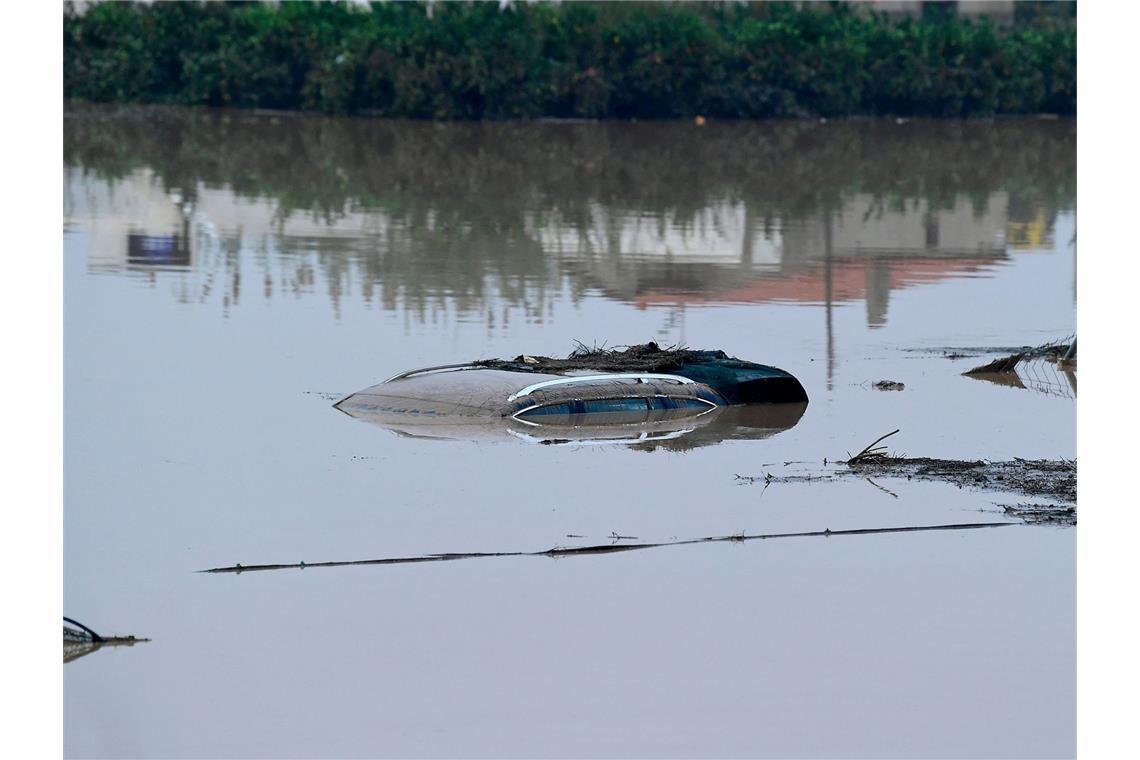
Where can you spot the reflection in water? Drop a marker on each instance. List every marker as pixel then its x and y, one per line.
pixel 1041 375
pixel 424 217
pixel 158 250
pixel 749 422
pixel 80 641
pixel 73 650
pixel 722 423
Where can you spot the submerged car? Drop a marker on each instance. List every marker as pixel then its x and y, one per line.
pixel 641 394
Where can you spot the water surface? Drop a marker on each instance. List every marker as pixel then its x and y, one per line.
pixel 229 275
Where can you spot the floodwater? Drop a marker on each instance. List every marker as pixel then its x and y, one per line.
pixel 228 276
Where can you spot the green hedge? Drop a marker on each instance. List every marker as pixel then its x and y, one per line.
pixel 473 60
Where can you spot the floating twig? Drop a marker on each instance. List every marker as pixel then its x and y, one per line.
pixel 610 548
pixel 872 452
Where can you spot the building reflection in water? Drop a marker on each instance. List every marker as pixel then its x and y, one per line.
pixel 429 218
pixel 130 224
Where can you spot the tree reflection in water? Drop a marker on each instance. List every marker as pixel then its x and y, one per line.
pixel 468 216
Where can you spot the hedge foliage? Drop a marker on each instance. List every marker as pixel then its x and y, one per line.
pixel 474 60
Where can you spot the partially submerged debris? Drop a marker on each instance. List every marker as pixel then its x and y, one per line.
pixel 79 640
pixel 888 385
pixel 1043 514
pixel 872 452
pixel 612 548
pixel 648 357
pixel 1053 479
pixel 1055 350
pixel 964 352
pixel 1048 478
pixel 770 478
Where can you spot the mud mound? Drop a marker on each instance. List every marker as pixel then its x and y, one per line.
pixel 647 357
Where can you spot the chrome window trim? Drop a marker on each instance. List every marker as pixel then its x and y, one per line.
pixel 641 377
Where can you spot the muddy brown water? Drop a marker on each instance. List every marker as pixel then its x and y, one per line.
pixel 228 276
